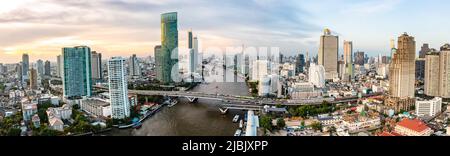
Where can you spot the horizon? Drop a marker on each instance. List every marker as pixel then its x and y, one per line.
pixel 123 28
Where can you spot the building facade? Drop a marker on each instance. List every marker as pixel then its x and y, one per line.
pixel 133 66
pixel 402 68
pixel 428 107
pixel 118 88
pixel 96 66
pixel 168 54
pixel 328 54
pixel 431 83
pixel 77 78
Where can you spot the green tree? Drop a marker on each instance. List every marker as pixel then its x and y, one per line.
pixel 266 122
pixel 14 132
pixel 281 123
pixel 316 126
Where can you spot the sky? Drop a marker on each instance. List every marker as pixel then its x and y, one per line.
pixel 42 28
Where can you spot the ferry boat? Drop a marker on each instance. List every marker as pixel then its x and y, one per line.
pixel 238 132
pixel 236 118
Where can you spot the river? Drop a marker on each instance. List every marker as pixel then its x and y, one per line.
pixel 202 118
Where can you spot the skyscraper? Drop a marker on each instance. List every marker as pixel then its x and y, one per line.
pixel 359 58
pixel 59 66
pixel 299 64
pixel 40 67
pixel 193 52
pixel 424 50
pixel 96 65
pixel 328 54
pixel 133 65
pixel 444 71
pixel 169 48
pixel 25 67
pixel 47 68
pixel 118 88
pixel 33 79
pixel 348 61
pixel 431 84
pixel 402 75
pixel 77 78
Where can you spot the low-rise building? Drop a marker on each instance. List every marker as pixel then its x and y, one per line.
pixel 56 123
pixel 360 121
pixel 64 112
pixel 413 127
pixel 97 107
pixel 330 120
pixel 28 110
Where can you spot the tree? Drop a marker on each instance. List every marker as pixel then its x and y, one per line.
pixel 266 122
pixel 302 123
pixel 281 123
pixel 14 132
pixel 316 126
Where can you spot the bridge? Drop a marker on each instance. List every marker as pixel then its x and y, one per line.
pixel 242 102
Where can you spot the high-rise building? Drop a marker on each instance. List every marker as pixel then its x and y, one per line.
pixel 159 58
pixel 33 79
pixel 431 84
pixel 420 69
pixel 77 78
pixel 118 88
pixel 25 67
pixel 317 75
pixel 359 58
pixel 169 48
pixel 59 66
pixel 133 65
pixel 47 68
pixel 444 67
pixel 348 61
pixel 96 66
pixel 299 64
pixel 193 52
pixel 402 69
pixel 259 69
pixel 40 67
pixel 196 53
pixel 402 75
pixel 424 50
pixel 328 54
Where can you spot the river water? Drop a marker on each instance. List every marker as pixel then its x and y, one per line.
pixel 202 118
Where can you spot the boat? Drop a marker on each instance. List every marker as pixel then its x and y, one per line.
pixel 236 118
pixel 241 123
pixel 173 103
pixel 238 132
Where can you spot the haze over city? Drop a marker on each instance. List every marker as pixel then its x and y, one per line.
pixel 116 27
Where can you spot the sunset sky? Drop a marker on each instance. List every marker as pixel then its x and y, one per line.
pixel 123 27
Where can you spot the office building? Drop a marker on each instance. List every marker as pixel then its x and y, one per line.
pixel 299 64
pixel 47 68
pixel 402 75
pixel 25 67
pixel 428 107
pixel 168 56
pixel 359 58
pixel 96 66
pixel 59 66
pixel 328 54
pixel 134 67
pixel 77 78
pixel 159 58
pixel 33 79
pixel 424 50
pixel 118 88
pixel 348 61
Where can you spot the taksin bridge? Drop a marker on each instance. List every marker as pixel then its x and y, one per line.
pixel 244 102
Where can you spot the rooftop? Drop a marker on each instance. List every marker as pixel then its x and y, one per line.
pixel 413 124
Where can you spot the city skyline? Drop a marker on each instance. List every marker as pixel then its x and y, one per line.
pixel 128 27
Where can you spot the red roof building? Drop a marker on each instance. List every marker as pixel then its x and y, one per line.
pixel 413 127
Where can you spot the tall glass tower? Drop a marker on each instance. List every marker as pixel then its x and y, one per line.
pixel 77 74
pixel 25 67
pixel 169 48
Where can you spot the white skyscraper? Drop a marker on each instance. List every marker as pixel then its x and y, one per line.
pixel 259 69
pixel 59 67
pixel 118 90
